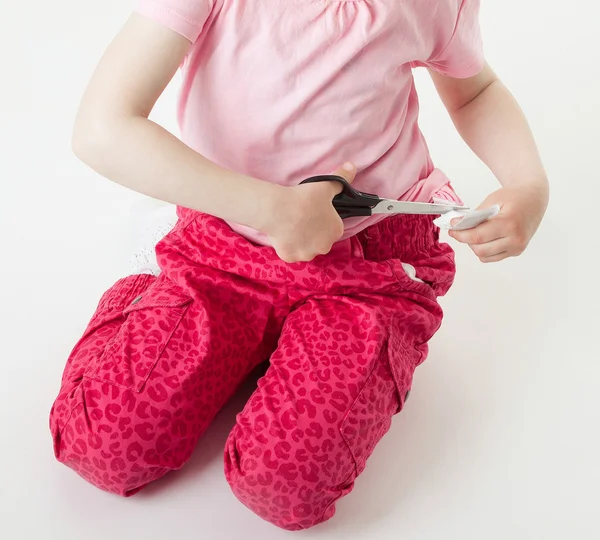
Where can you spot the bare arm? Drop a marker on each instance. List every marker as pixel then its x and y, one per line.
pixel 114 136
pixel 491 122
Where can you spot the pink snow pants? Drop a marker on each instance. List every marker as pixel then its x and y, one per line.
pixel 161 356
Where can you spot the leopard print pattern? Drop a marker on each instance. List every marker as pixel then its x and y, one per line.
pixel 162 355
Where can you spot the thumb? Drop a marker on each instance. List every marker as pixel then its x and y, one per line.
pixel 497 198
pixel 347 171
pixel 490 202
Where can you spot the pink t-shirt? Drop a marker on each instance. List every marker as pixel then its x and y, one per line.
pixel 285 89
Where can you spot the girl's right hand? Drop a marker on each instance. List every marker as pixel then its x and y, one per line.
pixel 303 222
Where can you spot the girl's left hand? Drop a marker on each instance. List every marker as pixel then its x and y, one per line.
pixel 508 234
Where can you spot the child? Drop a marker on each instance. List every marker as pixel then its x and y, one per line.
pixel 259 267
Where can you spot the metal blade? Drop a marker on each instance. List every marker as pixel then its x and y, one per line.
pixel 389 206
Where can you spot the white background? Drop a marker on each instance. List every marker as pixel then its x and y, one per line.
pixel 501 437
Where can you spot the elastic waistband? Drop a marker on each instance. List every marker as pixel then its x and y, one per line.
pixel 396 236
pixel 368 257
pixel 402 235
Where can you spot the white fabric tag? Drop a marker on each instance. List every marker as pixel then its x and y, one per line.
pixel 470 219
pixel 411 272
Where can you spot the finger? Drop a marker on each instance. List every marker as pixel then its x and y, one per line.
pixel 290 255
pixel 325 249
pixel 348 172
pixel 486 232
pixel 286 256
pixel 491 249
pixel 496 258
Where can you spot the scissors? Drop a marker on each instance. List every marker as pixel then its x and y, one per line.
pixel 353 203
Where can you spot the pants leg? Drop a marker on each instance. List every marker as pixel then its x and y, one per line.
pixel 343 368
pixel 159 359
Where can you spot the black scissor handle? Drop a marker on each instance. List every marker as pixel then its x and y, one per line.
pixel 350 202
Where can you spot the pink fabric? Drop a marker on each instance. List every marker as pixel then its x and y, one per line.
pixel 161 356
pixel 283 90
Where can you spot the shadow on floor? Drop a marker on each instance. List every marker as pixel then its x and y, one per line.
pixel 211 445
pixel 411 457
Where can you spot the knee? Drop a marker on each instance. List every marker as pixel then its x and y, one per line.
pixel 108 448
pixel 278 481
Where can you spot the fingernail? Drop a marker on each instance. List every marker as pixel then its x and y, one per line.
pixel 348 166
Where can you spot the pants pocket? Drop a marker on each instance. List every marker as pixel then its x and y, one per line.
pixel 148 326
pixel 406 275
pixel 369 418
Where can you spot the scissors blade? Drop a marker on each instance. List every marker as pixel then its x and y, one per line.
pixel 389 206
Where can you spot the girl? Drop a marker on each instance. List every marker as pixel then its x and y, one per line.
pixel 259 267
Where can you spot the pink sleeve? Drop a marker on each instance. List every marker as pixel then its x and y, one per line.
pixel 186 17
pixel 463 56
